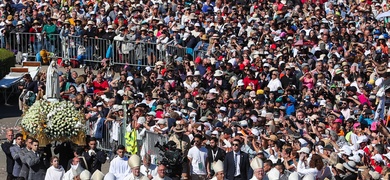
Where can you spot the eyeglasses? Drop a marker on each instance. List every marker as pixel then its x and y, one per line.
pixel 203 104
pixel 236 144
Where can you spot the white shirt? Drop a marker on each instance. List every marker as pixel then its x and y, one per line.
pixel 198 158
pixel 301 169
pixel 152 170
pixel 119 167
pixel 237 156
pixel 274 84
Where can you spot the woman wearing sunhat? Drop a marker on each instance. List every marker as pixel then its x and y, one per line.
pixel 36 40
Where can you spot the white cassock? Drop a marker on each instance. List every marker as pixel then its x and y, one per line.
pixel 52 83
pixel 151 170
pixel 119 167
pixel 214 178
pixel 70 174
pixel 131 177
pixel 54 173
pixel 159 178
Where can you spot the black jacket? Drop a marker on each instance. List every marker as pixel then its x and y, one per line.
pixel 229 166
pixel 95 162
pixel 10 161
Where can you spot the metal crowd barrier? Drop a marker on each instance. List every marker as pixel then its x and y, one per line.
pixel 145 53
pixel 69 47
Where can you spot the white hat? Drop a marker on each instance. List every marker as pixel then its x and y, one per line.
pixel 273 174
pixel 215 132
pixel 304 150
pixel 197 73
pixel 203 119
pixel 255 132
pixel 322 56
pixel 256 163
pixel 377 158
pixel 19 23
pixel 355 158
pixel 374 175
pixel 218 166
pixel 240 82
pixel 222 108
pixel 362 139
pixel 134 161
pixel 91 23
pixel 218 73
pixel 243 123
pixel 161 121
pixel 387 155
pixel 151 113
pixel 121 92
pixel 345 150
pixel 197 24
pixel 350 165
pixel 213 90
pixel 97 175
pixel 266 65
pixel 252 94
pixel 110 27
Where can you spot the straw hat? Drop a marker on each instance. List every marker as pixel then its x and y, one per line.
pixel 204 37
pixel 91 23
pixel 19 23
pixel 134 161
pixel 97 175
pixel 36 22
pixel 178 129
pixel 381 70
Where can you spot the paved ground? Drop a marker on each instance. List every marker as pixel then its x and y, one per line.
pixel 9 114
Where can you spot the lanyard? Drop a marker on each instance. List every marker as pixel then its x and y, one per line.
pixel 214 154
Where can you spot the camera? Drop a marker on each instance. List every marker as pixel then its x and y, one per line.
pixel 172 158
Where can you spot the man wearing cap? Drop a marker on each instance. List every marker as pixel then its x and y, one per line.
pixel 118 166
pixel 183 142
pixel 134 163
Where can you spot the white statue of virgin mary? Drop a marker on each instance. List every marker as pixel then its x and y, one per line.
pixel 52 83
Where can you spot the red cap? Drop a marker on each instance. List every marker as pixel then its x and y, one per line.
pixel 273 46
pixel 220 58
pixel 197 60
pixel 338 121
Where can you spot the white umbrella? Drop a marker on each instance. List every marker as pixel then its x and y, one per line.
pixel 383 15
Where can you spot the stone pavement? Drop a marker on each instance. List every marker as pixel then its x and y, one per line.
pixel 9 114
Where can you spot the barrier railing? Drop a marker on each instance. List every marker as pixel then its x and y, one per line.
pixel 65 46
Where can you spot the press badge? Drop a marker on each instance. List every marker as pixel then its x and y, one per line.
pixel 200 166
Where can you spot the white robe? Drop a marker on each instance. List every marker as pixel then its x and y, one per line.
pixel 119 167
pixel 52 83
pixel 54 173
pixel 131 177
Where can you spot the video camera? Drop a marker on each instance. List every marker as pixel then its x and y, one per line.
pixel 172 158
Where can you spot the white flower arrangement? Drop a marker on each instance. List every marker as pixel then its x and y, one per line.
pixel 59 119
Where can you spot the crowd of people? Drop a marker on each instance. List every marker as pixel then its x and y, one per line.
pixel 282 89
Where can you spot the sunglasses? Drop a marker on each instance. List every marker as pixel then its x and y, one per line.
pixel 236 145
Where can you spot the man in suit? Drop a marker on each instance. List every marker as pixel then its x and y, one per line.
pixel 34 160
pixel 15 152
pixel 214 153
pixel 6 146
pixel 94 157
pixel 23 157
pixel 236 164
